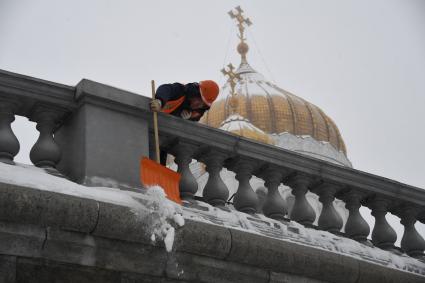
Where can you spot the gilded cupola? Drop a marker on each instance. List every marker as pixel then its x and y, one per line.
pixel 253 107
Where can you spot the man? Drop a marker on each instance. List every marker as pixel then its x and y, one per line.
pixel 188 101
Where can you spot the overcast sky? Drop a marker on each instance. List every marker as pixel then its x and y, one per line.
pixel 362 62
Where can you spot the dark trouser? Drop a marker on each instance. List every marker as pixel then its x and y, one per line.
pixel 163 157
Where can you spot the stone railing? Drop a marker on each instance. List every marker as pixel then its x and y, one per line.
pixel 42 102
pixel 94 133
pixel 275 166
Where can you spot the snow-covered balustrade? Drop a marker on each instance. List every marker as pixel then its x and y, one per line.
pixel 95 135
pixel 247 158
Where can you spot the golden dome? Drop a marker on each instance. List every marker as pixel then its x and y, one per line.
pixel 273 110
pixel 264 111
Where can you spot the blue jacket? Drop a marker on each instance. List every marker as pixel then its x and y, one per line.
pixel 176 97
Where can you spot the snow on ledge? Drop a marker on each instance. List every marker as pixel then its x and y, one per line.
pixel 166 213
pixel 168 216
pixel 297 233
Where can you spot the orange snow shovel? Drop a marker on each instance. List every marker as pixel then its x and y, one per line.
pixel 153 173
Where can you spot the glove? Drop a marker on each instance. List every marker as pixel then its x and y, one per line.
pixel 186 114
pixel 156 105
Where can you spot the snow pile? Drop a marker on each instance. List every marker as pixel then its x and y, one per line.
pixel 163 214
pixel 106 182
pixel 34 177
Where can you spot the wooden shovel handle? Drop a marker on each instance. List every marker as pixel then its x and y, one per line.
pixel 155 125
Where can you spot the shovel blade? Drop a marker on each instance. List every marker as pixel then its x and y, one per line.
pixel 153 173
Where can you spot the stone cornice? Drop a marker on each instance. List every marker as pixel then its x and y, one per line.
pixel 29 88
pixel 88 91
pixel 48 225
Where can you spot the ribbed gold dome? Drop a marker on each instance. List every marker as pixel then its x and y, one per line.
pixel 273 110
pixel 266 109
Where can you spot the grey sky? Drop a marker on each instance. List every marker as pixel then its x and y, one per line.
pixel 362 62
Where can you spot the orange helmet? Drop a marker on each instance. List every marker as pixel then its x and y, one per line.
pixel 209 91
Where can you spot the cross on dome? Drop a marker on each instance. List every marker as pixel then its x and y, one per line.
pixel 232 79
pixel 242 21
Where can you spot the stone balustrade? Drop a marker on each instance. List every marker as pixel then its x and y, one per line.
pixel 42 102
pixel 93 133
pixel 277 166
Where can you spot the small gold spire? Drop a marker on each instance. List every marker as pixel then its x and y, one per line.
pixel 242 46
pixel 232 80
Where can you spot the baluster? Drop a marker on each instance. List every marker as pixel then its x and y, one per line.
pixel 329 219
pixel 356 227
pixel 215 192
pixel 188 185
pixel 412 242
pixel 261 196
pixel 274 206
pixel 45 152
pixel 9 144
pixel 383 235
pixel 245 198
pixel 302 211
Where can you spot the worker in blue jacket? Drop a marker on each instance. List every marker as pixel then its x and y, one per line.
pixel 189 101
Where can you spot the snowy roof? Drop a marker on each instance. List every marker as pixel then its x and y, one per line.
pixel 237 124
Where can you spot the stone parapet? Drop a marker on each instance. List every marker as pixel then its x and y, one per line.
pixel 52 236
pixel 95 135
